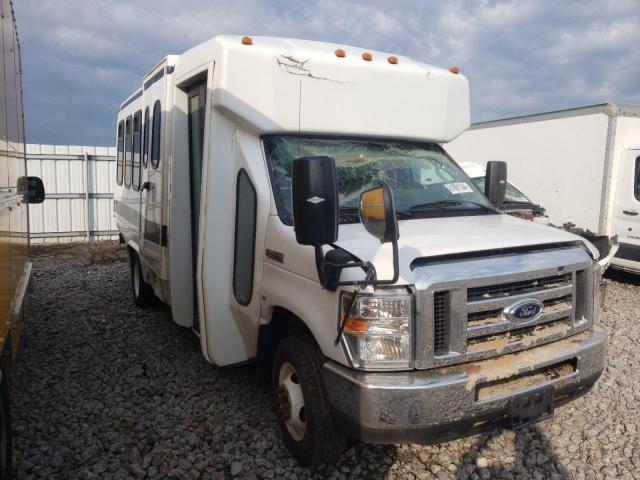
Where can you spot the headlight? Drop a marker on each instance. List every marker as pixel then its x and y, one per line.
pixel 377 334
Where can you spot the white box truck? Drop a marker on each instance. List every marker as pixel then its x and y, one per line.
pixel 290 201
pixel 582 165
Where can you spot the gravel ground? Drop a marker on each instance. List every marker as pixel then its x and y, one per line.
pixel 104 390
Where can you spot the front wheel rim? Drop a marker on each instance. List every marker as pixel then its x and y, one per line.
pixel 291 401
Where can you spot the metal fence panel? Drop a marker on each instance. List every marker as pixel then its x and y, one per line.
pixel 78 181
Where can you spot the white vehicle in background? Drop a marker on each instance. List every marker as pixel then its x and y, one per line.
pixel 288 218
pixel 515 202
pixel 583 164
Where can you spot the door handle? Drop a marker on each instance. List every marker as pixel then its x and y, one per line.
pixel 633 213
pixel 147 186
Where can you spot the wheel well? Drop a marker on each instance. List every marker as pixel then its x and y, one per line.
pixel 283 323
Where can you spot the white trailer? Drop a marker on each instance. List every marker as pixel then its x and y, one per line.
pixel 582 165
pixel 291 202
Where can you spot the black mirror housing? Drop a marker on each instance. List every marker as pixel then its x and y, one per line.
pixel 315 200
pixel 32 188
pixel 495 182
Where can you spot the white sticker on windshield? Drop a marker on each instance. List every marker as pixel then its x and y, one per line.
pixel 458 187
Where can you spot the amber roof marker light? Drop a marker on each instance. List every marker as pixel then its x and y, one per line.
pixel 454 70
pixel 393 60
pixel 367 56
pixel 247 41
pixel 340 53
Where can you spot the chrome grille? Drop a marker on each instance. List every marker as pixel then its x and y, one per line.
pixel 489 330
pixel 517 288
pixel 464 304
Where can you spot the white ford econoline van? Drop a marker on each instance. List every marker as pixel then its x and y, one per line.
pixel 291 203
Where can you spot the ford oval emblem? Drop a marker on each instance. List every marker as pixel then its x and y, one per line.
pixel 524 311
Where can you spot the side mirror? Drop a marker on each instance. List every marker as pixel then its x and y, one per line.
pixel 378 214
pixel 315 200
pixel 32 188
pixel 495 182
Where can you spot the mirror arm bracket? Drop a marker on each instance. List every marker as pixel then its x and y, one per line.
pixel 320 265
pixel 329 270
pixel 396 268
pixel 368 267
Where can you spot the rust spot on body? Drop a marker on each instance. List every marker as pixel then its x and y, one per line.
pixel 516 363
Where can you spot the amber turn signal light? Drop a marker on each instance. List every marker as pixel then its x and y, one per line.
pixel 340 53
pixel 455 70
pixel 247 41
pixel 392 59
pixel 367 56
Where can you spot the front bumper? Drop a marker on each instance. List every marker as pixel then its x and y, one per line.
pixel 439 405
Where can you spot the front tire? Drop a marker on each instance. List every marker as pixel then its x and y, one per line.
pixel 142 292
pixel 304 412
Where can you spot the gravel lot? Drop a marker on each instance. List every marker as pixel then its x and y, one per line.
pixel 104 390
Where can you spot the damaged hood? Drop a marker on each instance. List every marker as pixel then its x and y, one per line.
pixel 431 237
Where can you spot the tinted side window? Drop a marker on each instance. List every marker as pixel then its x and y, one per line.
pixel 243 256
pixel 145 139
pixel 127 153
pixel 137 131
pixel 636 185
pixel 120 161
pixel 155 135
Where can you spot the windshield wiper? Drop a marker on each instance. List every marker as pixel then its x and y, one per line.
pixel 446 203
pixel 349 213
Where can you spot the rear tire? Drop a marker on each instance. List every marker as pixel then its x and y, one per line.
pixel 5 431
pixel 142 292
pixel 303 407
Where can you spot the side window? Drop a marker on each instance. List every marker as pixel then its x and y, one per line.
pixel 636 185
pixel 137 131
pixel 145 139
pixel 245 238
pixel 120 158
pixel 155 135
pixel 127 153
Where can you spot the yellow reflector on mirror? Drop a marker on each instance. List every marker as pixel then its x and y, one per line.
pixel 372 204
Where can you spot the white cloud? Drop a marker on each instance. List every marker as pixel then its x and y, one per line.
pixel 520 56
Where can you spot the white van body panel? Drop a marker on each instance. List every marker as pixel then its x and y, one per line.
pixel 278 85
pixel 573 162
pixel 543 159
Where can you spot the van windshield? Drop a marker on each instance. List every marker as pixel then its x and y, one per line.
pixel 425 182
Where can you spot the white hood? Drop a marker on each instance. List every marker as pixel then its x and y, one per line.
pixel 444 236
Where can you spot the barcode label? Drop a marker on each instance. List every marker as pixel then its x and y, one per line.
pixel 459 187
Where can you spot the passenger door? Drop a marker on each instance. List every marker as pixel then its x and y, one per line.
pixel 196 101
pixel 626 217
pixel 144 177
pixel 154 235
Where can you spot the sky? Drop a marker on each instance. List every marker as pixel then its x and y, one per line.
pixel 82 58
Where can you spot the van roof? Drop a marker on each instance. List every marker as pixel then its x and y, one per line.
pixel 280 85
pixel 610 109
